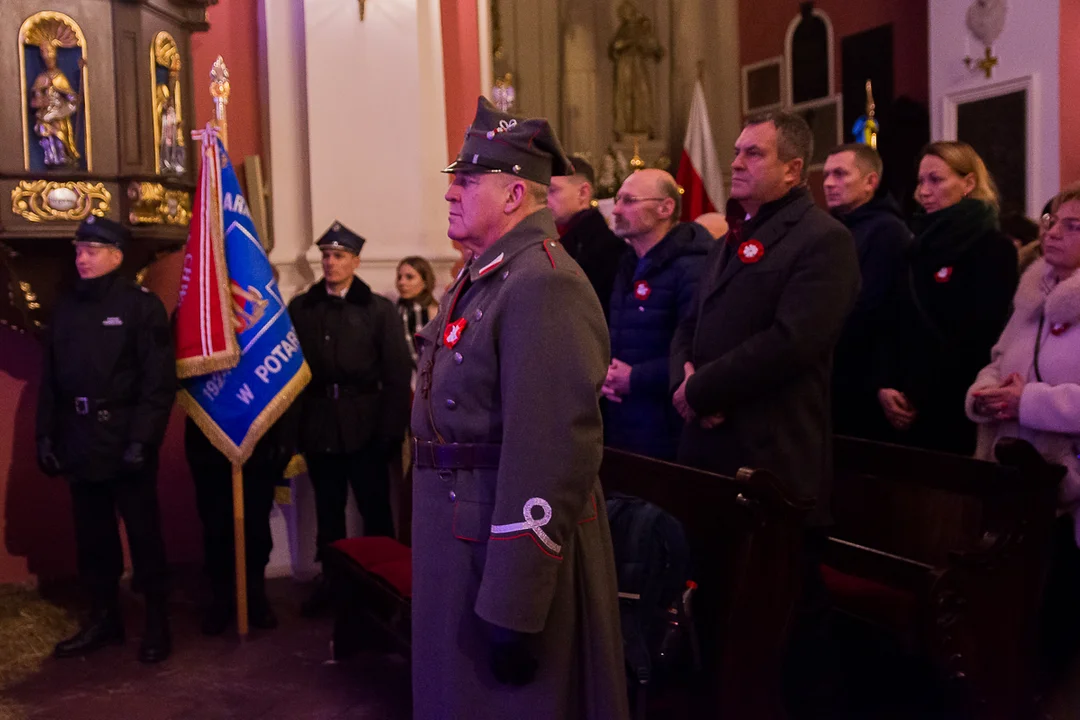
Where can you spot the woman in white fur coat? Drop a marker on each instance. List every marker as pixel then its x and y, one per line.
pixel 1031 390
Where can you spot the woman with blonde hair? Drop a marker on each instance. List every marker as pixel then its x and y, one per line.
pixel 1031 390
pixel 954 301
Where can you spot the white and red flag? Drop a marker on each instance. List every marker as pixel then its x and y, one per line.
pixel 699 168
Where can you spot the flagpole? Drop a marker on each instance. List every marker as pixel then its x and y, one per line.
pixel 220 90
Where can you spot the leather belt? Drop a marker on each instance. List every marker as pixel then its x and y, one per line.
pixel 455 456
pixel 85 405
pixel 335 391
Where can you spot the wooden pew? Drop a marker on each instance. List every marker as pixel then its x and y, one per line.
pixel 951 554
pixel 745 534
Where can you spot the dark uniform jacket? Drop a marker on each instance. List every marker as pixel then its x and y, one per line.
pixel 524 545
pixel 651 297
pixel 761 340
pixel 588 239
pixel 360 370
pixel 883 242
pixel 955 298
pixel 109 377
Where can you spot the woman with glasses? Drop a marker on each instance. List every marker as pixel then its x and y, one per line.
pixel 954 300
pixel 1031 390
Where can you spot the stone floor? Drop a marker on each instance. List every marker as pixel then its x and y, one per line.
pixel 281 673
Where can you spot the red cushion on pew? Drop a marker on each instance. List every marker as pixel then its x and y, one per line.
pixel 398 574
pixel 870 599
pixel 371 551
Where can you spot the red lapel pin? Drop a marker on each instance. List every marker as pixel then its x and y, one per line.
pixel 453 332
pixel 944 274
pixel 642 291
pixel 1059 328
pixel 751 251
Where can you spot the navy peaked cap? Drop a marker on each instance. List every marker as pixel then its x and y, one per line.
pixel 103 231
pixel 341 237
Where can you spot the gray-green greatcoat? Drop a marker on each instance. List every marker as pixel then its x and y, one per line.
pixel 525 373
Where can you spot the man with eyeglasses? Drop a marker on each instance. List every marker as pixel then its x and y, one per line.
pixel 583 231
pixel 653 292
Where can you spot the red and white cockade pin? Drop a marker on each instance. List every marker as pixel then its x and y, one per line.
pixel 642 291
pixel 944 274
pixel 453 332
pixel 1059 328
pixel 751 251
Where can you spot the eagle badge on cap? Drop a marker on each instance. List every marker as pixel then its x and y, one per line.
pixel 90 220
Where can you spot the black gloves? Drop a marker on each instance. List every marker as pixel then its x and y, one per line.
pixel 512 661
pixel 134 457
pixel 46 458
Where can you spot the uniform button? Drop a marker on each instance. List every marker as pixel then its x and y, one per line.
pixel 458 358
pixel 641 308
pixel 478 314
pixel 327 338
pixel 451 403
pixel 453 496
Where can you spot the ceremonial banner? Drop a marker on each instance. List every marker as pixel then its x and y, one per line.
pixel 699 168
pixel 235 405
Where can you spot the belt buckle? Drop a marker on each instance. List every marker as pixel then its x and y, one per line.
pixel 82 406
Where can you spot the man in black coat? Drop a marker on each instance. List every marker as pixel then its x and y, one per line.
pixel 882 241
pixel 107 388
pixel 583 231
pixel 753 364
pixel 353 415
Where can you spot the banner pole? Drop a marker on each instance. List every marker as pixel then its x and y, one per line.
pixel 241 553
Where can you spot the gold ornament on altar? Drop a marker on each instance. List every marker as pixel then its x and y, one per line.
pixel 154 204
pixel 220 89
pixel 46 200
pixel 56 104
pixel 170 150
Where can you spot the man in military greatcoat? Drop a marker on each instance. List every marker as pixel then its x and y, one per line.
pixel 107 388
pixel 514 600
pixel 353 415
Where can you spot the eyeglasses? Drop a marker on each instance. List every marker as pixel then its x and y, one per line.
pixel 1069 225
pixel 621 199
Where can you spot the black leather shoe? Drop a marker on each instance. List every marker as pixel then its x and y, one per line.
pixel 156 642
pixel 217 617
pixel 319 601
pixel 101 630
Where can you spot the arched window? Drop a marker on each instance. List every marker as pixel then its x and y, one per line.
pixel 808 47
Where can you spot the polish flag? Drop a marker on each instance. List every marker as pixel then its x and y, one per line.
pixel 699 168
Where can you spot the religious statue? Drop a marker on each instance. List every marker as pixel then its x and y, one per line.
pixel 54 101
pixel 634 45
pixel 171 148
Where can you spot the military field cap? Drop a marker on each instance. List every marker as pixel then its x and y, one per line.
pixel 102 231
pixel 340 237
pixel 497 142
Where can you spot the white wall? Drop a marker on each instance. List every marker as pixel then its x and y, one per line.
pixel 1028 48
pixel 377 128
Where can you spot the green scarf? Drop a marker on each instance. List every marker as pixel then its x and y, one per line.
pixel 945 235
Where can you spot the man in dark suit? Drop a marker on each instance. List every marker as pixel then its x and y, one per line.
pixel 583 231
pixel 753 364
pixel 882 240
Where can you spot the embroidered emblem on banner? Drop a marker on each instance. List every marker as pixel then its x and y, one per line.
pixel 943 275
pixel 642 291
pixel 751 251
pixel 453 331
pixel 536 525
